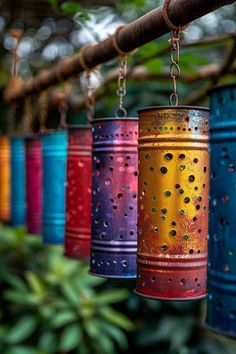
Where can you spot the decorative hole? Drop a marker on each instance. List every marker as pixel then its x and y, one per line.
pixel 131 207
pixel 195 160
pixel 107 181
pixel 153 279
pixel 231 168
pixel 125 215
pixel 111 157
pixel 205 169
pixel 181 156
pixel 199 199
pixel 191 251
pixel 199 231
pixel 167 193
pixel 115 207
pixel 135 173
pixel 164 211
pixel 177 186
pixel 168 157
pixel 151 168
pixel 111 169
pixel 196 188
pixel 120 195
pixel 181 191
pixel 172 232
pixel 164 248
pixel 155 228
pixel 186 200
pixel 173 223
pixel 131 233
pixel 163 217
pixel 105 223
pixel 182 281
pixel 154 198
pixel 198 207
pixel 181 212
pixel 147 157
pixel 232 314
pixel 163 170
pixel 191 178
pixel 145 183
pixel 154 210
pixel 186 237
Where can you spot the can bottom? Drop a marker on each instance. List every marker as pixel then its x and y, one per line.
pixel 179 299
pixel 76 257
pixel 112 276
pixel 219 331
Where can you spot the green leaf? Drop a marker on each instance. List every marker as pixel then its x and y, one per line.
pixel 48 342
pixel 116 318
pixel 111 296
pixel 53 3
pixel 70 338
pixel 115 333
pixel 155 65
pixel 20 349
pixel 21 330
pixel 70 7
pixel 35 283
pixel 63 318
pixel 70 293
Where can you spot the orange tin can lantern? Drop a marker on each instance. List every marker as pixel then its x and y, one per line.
pixel 173 202
pixel 4 178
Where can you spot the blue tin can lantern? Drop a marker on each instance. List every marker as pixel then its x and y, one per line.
pixel 54 148
pixel 221 309
pixel 18 188
pixel 114 197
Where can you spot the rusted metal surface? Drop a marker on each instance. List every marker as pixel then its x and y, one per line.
pixel 134 35
pixel 173 202
pixel 114 197
pixel 221 305
pixel 78 193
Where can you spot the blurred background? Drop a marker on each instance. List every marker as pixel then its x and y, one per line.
pixel 49 305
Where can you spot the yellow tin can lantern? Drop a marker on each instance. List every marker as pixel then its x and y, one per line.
pixel 173 202
pixel 4 178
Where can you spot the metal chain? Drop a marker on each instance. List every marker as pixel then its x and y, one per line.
pixel 121 90
pixel 27 115
pixel 43 110
pixel 174 66
pixel 90 99
pixel 63 110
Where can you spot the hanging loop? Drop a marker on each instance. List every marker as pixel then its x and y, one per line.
pixel 63 110
pixel 90 99
pixel 174 53
pixel 121 87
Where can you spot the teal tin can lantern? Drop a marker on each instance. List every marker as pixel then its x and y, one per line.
pixel 221 305
pixel 18 186
pixel 54 148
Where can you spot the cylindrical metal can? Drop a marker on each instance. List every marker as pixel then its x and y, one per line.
pixel 114 197
pixel 33 157
pixel 173 202
pixel 5 154
pixel 54 148
pixel 221 309
pixel 78 193
pixel 18 192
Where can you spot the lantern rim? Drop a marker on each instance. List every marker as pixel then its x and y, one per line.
pixel 221 86
pixel 79 126
pixel 150 108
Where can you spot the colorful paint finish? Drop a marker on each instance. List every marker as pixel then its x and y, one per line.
pixel 5 155
pixel 173 202
pixel 114 197
pixel 33 156
pixel 54 147
pixel 221 305
pixel 78 193
pixel 18 189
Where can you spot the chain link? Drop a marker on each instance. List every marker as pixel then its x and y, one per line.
pixel 121 90
pixel 63 109
pixel 174 66
pixel 90 99
pixel 43 110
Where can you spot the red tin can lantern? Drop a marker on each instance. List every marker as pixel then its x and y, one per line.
pixel 33 161
pixel 173 202
pixel 78 193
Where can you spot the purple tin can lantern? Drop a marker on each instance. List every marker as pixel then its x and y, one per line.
pixel 78 193
pixel 33 156
pixel 114 197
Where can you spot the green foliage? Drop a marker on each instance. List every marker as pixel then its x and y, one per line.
pixel 52 302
